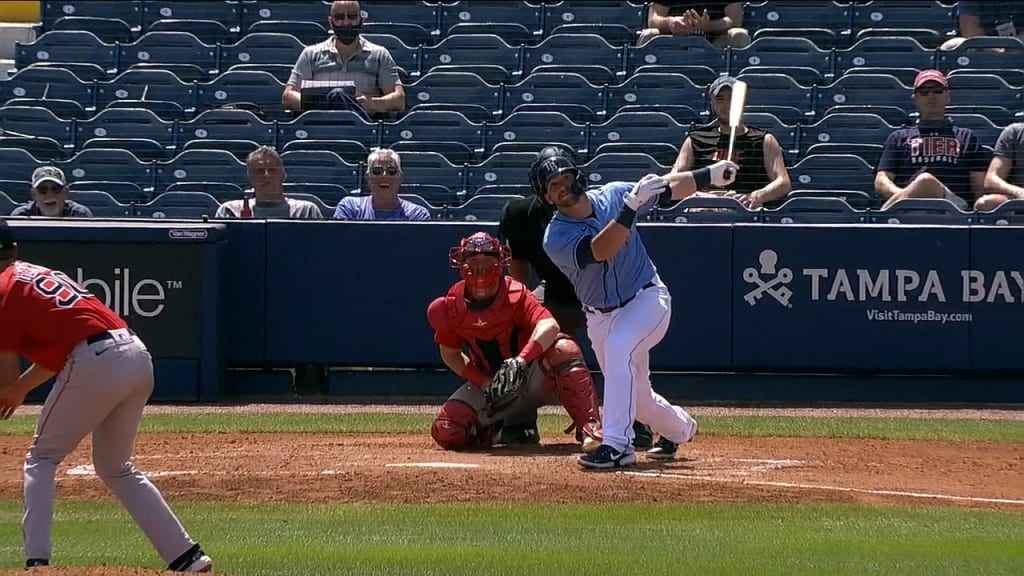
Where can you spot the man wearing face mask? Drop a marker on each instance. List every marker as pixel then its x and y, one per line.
pixel 346 57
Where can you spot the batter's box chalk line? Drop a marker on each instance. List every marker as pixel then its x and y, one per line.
pixel 88 471
pixel 729 467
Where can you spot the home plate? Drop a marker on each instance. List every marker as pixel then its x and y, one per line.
pixel 432 465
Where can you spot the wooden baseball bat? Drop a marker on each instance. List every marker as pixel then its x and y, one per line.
pixel 736 106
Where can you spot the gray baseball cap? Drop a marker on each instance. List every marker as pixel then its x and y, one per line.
pixel 48 173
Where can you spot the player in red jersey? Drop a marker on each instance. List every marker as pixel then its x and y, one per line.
pixel 487 319
pixel 104 379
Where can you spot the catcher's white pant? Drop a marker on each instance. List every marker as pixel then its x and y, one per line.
pixel 523 411
pixel 622 340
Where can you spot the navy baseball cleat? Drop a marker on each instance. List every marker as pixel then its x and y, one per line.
pixel 643 436
pixel 33 562
pixel 606 457
pixel 664 449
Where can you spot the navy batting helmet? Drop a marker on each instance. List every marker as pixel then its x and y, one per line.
pixel 550 162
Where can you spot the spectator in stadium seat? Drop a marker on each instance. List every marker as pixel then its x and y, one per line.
pixel 266 176
pixel 933 159
pixel 346 56
pixel 50 197
pixel 384 177
pixel 720 22
pixel 763 177
pixel 988 18
pixel 1005 177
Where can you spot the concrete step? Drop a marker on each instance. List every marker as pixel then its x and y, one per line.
pixel 11 32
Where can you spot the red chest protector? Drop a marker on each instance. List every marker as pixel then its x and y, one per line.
pixel 493 333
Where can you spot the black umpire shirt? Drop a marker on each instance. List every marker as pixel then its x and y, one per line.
pixel 522 227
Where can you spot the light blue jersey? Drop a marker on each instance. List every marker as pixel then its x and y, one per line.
pixel 608 283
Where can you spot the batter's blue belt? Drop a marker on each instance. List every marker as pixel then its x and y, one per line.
pixel 620 304
pixel 105 335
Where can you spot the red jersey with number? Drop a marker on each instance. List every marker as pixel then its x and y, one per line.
pixel 489 332
pixel 44 314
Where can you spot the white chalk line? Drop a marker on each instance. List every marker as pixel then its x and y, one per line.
pixel 924 495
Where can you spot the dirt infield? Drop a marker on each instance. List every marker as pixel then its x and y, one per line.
pixel 407 468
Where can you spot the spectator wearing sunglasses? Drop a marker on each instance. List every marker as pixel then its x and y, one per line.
pixel 345 56
pixel 933 159
pixel 50 197
pixel 266 176
pixel 384 178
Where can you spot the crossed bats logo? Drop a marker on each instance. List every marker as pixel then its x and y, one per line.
pixel 768 279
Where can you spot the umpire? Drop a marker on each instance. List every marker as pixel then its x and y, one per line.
pixel 522 227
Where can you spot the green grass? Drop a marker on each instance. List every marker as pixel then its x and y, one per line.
pixel 552 425
pixel 704 539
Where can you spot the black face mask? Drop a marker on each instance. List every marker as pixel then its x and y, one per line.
pixel 347 34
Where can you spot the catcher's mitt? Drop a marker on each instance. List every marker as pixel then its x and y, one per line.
pixel 507 385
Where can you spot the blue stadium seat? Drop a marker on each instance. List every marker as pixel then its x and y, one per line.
pixel 921 211
pixel 683 115
pixel 7 205
pixel 123 192
pixel 1013 76
pixel 982 125
pixel 798 14
pixel 66 46
pixel 1010 213
pixel 100 203
pixel 536 127
pixel 799 74
pixel 617 35
pixel 698 75
pixel 575 50
pixel 207 31
pixel 456 152
pixel 280 71
pixel 777 90
pixel 187 73
pixel 668 50
pixel 785 133
pixel 349 150
pixel 128 123
pixel 498 169
pixel 50 83
pixel 329 125
pixel 653 133
pixel 156 10
pixel 984 90
pixel 108 164
pixel 144 149
pixel 856 199
pixel 164 109
pixel 782 52
pixel 226 125
pixel 63 109
pixel 653 89
pixel 892 52
pixel 16 165
pixel 486 55
pixel 262 48
pixel 449 133
pixel 180 205
pixel 863 89
pixel 407 57
pixel 201 166
pixel 108 30
pixel 866 130
pixel 506 190
pixel 260 88
pixel 329 194
pixel 511 34
pixel 813 211
pixel 326 209
pixel 706 210
pixel 145 85
pixel 906 14
pixel 489 12
pixel 822 38
pixel 839 171
pixel 309 167
pixel 452 88
pixel 893 115
pixel 904 75
pixel 433 194
pixel 432 168
pixel 568 91
pixel 261 10
pixel 307 32
pixel 974 53
pixel 436 212
pixel 628 15
pixel 621 167
pixel 238 148
pixel 169 48
pixel 998 115
pixel 83 71
pixel 222 191
pixel 129 11
pixel 418 13
pixel 31 121
pixel 926 37
pixel 45 149
pixel 482 208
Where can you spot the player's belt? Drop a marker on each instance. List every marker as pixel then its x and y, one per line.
pixel 624 302
pixel 102 336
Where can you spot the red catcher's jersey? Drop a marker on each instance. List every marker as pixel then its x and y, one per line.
pixel 489 335
pixel 44 314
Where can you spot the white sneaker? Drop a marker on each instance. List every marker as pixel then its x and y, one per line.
pixel 202 564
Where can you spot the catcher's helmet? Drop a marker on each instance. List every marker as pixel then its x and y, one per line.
pixel 476 277
pixel 550 162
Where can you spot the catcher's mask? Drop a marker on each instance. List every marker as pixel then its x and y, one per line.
pixel 480 274
pixel 550 163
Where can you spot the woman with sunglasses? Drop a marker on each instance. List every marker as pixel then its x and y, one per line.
pixel 384 178
pixel 50 197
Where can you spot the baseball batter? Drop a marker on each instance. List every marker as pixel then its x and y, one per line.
pixel 515 358
pixel 104 379
pixel 593 240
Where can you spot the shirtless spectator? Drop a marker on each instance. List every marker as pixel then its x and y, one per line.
pixel 720 22
pixel 347 57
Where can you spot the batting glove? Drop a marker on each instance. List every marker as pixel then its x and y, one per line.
pixel 648 187
pixel 723 173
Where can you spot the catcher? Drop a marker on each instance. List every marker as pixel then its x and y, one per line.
pixel 517 358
